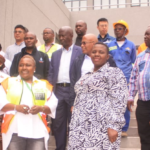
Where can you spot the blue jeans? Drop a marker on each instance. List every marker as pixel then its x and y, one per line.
pixel 127 119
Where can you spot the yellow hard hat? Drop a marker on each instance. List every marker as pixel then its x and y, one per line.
pixel 122 22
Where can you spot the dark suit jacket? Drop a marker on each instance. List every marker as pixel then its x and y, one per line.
pixel 76 73
pixel 55 62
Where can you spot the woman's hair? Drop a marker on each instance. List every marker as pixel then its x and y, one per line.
pixel 2 61
pixel 100 43
pixel 29 57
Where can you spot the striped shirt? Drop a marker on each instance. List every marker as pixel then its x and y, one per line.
pixel 140 77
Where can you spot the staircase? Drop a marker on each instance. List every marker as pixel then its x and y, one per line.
pixel 132 142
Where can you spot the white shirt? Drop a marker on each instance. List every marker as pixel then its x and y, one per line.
pixel 12 50
pixel 64 67
pixel 87 65
pixel 3 100
pixel 29 126
pixel 7 64
pixel 2 53
pixel 120 43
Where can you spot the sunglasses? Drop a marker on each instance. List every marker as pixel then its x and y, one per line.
pixel 119 29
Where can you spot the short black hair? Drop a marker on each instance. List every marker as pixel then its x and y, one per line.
pixel 101 19
pixel 22 27
pixel 100 43
pixel 50 29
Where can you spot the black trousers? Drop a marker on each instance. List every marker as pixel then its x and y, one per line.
pixel 63 116
pixel 143 119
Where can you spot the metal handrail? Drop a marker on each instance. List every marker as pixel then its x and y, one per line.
pixel 132 4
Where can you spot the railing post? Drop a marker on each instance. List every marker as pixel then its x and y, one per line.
pixel 90 3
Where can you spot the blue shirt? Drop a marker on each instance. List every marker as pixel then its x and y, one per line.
pixel 124 56
pixel 140 77
pixel 107 39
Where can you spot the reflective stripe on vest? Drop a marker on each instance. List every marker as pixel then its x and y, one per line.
pixel 50 51
pixel 14 90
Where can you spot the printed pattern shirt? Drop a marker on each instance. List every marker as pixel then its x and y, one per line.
pixel 140 77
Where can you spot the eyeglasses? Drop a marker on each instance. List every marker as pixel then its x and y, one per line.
pixel 18 31
pixel 118 29
pixel 103 26
pixel 45 33
pixel 84 43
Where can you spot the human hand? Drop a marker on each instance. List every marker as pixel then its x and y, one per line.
pixel 129 104
pixel 112 134
pixel 35 109
pixel 23 109
pixel 71 109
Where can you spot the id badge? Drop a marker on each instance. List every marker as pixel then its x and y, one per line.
pixel 39 96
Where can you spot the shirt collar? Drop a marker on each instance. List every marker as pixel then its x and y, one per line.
pixel 123 43
pixel 106 36
pixel 20 43
pixel 34 78
pixel 103 68
pixel 51 44
pixel 70 48
pixel 87 57
pixel 147 50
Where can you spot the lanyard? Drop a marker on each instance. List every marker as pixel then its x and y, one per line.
pixel 30 89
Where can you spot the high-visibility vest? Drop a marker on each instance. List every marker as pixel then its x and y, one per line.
pixel 14 89
pixel 53 48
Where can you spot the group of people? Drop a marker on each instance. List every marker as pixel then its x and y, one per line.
pixel 87 87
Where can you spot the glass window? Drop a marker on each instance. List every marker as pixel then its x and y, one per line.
pixel 144 1
pixel 105 2
pixel 83 4
pixel 135 3
pixel 68 5
pixel 97 3
pixel 113 3
pixel 75 5
pixel 122 2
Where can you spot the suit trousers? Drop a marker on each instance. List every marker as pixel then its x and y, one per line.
pixel 63 116
pixel 143 119
pixel 20 143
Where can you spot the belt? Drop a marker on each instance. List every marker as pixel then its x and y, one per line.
pixel 63 84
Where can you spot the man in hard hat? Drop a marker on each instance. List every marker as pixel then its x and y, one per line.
pixel 124 54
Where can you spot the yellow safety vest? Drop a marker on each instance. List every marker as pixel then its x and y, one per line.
pixel 14 89
pixel 53 48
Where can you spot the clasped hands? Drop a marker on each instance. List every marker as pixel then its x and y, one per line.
pixel 26 109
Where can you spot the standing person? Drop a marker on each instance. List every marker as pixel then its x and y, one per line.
pixel 25 128
pixel 42 61
pixel 140 83
pixel 49 47
pixel 59 76
pixel 19 34
pixel 6 69
pixel 102 26
pixel 83 63
pixel 80 28
pixel 124 54
pixel 98 113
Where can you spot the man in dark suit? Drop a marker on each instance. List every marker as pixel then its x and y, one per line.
pixel 83 63
pixel 59 76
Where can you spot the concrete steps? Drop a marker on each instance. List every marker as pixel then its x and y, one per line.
pixel 132 142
